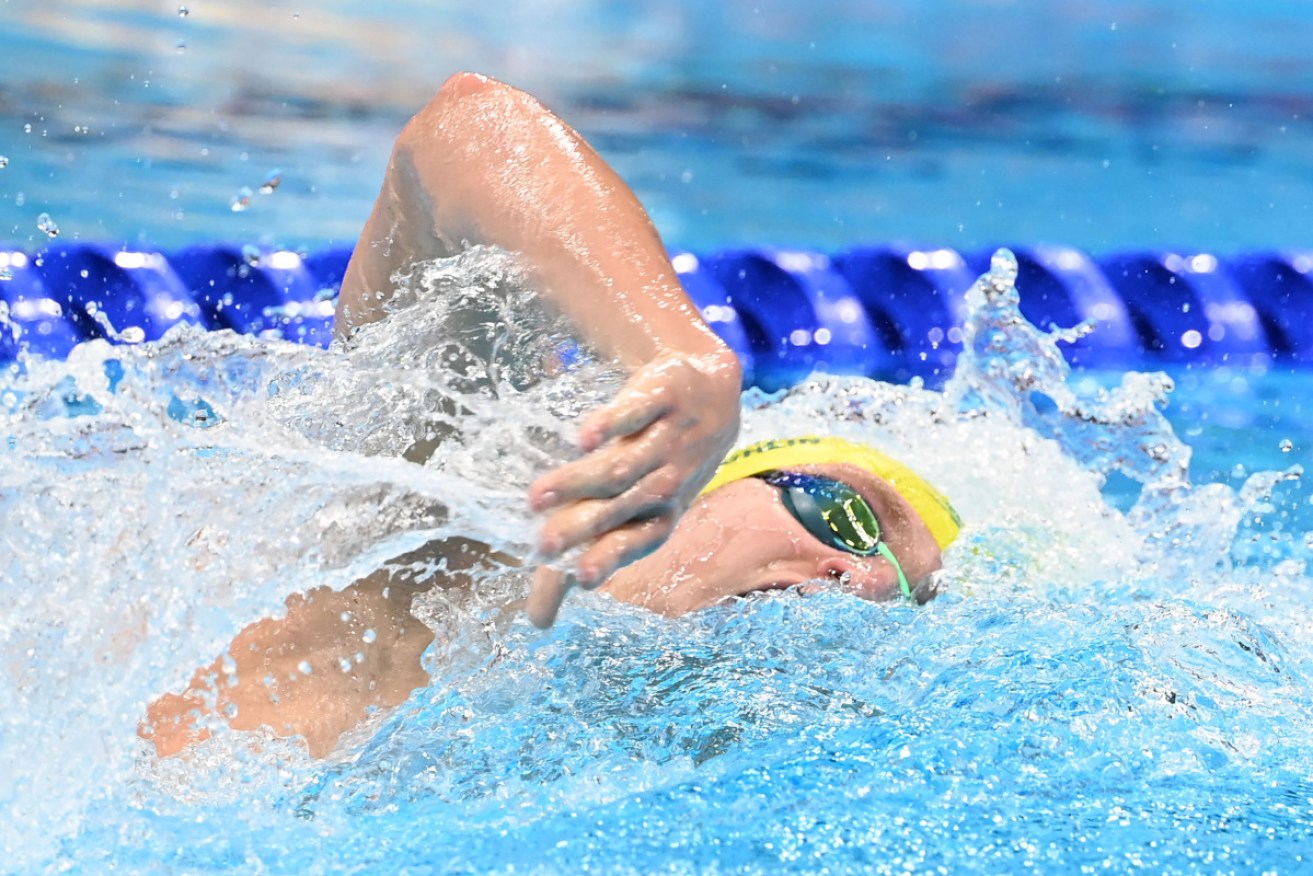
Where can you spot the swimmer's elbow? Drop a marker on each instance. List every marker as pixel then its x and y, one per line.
pixel 466 84
pixel 461 103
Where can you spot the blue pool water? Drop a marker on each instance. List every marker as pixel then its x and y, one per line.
pixel 1117 676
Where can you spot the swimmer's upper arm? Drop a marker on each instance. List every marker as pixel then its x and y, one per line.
pixel 427 207
pixel 485 162
pixel 399 232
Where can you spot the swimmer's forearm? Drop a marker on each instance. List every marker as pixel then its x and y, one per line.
pixel 487 163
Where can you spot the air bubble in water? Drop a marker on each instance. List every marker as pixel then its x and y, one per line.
pixel 1286 445
pixel 133 334
pixel 4 161
pixel 181 46
pixel 344 664
pixel 251 255
pixel 305 668
pixel 183 12
pixel 47 225
pixel 271 182
pixel 369 637
pixel 242 199
pixel 6 273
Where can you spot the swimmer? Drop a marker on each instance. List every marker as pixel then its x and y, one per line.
pixel 660 516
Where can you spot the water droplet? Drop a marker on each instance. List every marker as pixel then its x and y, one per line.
pixel 271 182
pixel 1286 445
pixel 6 273
pixel 369 637
pixel 183 12
pixel 47 225
pixel 305 668
pixel 4 161
pixel 1002 271
pixel 242 199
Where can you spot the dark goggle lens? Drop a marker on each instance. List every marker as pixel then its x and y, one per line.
pixel 830 510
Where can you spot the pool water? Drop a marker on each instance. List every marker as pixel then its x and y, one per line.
pixel 1095 688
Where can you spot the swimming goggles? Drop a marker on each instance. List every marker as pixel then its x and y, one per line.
pixel 836 514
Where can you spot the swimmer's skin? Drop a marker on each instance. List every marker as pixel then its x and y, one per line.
pixel 486 163
pixel 261 681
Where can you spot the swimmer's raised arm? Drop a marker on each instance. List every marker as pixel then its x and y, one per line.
pixel 486 163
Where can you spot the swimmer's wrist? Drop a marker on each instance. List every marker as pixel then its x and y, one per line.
pixel 709 356
pixel 674 328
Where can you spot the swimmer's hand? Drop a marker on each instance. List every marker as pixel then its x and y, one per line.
pixel 647 455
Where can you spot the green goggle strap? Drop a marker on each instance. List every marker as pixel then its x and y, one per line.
pixel 883 550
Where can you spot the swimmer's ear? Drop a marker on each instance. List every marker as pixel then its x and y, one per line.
pixel 928 587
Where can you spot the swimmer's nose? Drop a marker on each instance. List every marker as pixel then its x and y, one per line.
pixel 868 577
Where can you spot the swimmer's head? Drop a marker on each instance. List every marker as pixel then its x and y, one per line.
pixel 783 454
pixel 742 535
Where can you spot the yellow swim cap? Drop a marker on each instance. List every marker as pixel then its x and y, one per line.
pixel 783 453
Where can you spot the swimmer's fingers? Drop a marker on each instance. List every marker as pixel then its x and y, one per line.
pixel 604 473
pixel 622 546
pixel 546 594
pixel 640 403
pixel 576 524
pixel 616 549
pixel 678 411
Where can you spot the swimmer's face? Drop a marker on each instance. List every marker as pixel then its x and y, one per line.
pixel 740 539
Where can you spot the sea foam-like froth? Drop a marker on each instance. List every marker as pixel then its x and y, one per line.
pixel 156 499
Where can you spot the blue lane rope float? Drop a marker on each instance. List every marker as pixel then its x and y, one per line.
pixel 889 310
